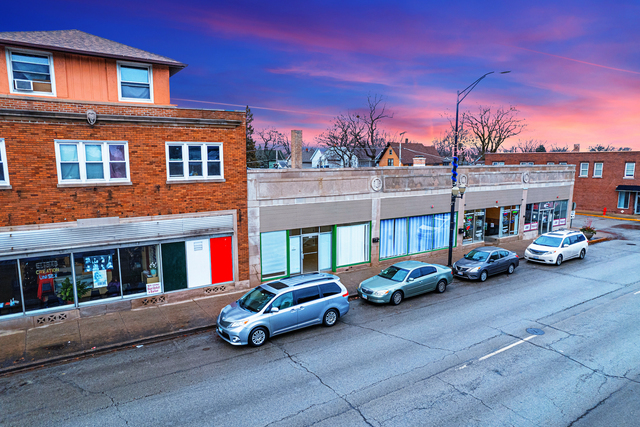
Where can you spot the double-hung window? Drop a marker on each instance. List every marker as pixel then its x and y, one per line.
pixel 92 161
pixel 31 72
pixel 4 173
pixel 584 169
pixel 135 82
pixel 623 199
pixel 597 170
pixel 194 161
pixel 629 170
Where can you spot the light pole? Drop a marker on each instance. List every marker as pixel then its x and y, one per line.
pixel 458 192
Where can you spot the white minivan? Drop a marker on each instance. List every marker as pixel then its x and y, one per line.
pixel 557 246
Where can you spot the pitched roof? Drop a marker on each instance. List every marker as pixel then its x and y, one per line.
pixel 411 150
pixel 76 41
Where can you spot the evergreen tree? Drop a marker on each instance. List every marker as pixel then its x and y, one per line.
pixel 252 159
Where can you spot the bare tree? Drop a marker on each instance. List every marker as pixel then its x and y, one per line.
pixel 467 146
pixel 558 149
pixel 374 138
pixel 608 147
pixel 492 129
pixel 341 140
pixel 272 141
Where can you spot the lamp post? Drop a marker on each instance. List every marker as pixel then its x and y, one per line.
pixel 458 192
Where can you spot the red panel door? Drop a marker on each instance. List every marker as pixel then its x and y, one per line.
pixel 221 260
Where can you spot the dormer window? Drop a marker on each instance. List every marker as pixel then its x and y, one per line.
pixel 135 82
pixel 31 72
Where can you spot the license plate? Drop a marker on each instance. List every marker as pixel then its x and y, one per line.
pixel 535 257
pixel 364 296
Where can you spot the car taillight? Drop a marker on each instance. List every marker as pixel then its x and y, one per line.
pixel 346 294
pixel 517 256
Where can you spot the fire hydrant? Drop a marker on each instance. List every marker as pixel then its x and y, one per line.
pixel 604 212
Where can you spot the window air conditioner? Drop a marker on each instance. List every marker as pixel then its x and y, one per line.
pixel 23 84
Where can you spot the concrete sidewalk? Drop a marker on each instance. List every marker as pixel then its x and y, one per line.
pixel 103 327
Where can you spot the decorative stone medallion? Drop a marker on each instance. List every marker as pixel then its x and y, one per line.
pixel 376 184
pixel 462 179
pixel 525 177
pixel 91 117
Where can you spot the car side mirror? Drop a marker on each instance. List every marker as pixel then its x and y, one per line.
pixel 489 261
pixel 411 279
pixel 566 245
pixel 274 309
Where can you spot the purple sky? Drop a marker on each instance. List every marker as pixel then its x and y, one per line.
pixel 575 65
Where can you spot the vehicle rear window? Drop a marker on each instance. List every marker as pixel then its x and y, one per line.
pixel 329 289
pixel 307 294
pixel 504 254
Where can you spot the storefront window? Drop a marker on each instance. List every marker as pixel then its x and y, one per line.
pixel 428 232
pixel 510 216
pixel 474 225
pixel 393 237
pixel 10 299
pixel 139 267
pixel 273 253
pixel 353 244
pixel 560 213
pixel 97 275
pixel 47 282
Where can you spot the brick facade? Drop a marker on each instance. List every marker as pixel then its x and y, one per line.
pixel 591 193
pixel 36 198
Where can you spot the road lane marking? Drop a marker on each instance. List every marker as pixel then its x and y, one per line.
pixel 506 348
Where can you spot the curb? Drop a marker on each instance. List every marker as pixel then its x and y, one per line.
pixel 601 239
pixel 102 350
pixel 609 217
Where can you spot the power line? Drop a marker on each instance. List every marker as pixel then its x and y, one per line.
pixel 254 107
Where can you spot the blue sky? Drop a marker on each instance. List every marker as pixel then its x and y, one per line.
pixel 575 65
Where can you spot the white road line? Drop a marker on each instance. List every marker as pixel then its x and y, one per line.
pixel 637 293
pixel 506 348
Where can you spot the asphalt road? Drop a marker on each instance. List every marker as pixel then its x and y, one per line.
pixel 459 358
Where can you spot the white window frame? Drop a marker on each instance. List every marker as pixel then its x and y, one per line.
pixel 498 164
pixel 633 170
pixel 185 161
pixel 82 162
pixel 3 161
pixel 12 89
pixel 595 169
pixel 526 163
pixel 583 172
pixel 550 163
pixel 562 163
pixel 149 67
pixel 621 197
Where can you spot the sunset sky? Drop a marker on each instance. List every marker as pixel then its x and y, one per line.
pixel 575 65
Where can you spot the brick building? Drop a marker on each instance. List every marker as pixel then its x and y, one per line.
pixel 604 179
pixel 111 195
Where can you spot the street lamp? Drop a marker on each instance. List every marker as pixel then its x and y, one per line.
pixel 458 192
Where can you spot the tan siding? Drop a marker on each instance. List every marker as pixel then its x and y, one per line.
pixel 398 207
pixel 546 194
pixel 287 217
pixel 487 199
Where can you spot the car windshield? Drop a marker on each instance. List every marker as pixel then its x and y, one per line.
pixel 256 299
pixel 477 255
pixel 394 273
pixel 554 242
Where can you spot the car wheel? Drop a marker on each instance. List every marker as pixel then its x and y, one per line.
pixel 583 253
pixel 511 269
pixel 257 337
pixel 483 275
pixel 330 317
pixel 442 286
pixel 559 260
pixel 397 297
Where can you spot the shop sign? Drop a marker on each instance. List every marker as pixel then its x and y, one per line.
pixel 573 214
pixel 98 263
pixel 153 288
pixel 534 226
pixel 100 278
pixel 563 221
pixel 556 222
pixel 527 227
pixel 546 205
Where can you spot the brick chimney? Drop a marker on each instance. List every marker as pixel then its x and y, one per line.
pixel 419 161
pixel 296 149
pixel 576 147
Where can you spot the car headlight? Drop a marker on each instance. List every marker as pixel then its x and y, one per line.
pixel 474 269
pixel 380 293
pixel 238 323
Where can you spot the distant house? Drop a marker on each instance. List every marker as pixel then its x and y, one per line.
pixel 271 158
pixel 312 158
pixel 412 155
pixel 339 157
pixel 364 160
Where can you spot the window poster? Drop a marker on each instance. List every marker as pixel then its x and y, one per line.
pixel 98 263
pixel 100 278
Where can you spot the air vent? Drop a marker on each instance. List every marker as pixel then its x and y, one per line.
pixel 215 290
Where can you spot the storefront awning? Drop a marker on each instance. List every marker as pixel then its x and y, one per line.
pixel 628 188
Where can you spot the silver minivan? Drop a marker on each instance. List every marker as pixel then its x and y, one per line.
pixel 281 306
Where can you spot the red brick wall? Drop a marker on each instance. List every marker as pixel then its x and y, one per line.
pixel 589 194
pixel 36 199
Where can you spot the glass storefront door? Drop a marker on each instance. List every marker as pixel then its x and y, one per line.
pixel 309 253
pixel 638 203
pixel 474 225
pixel 546 221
